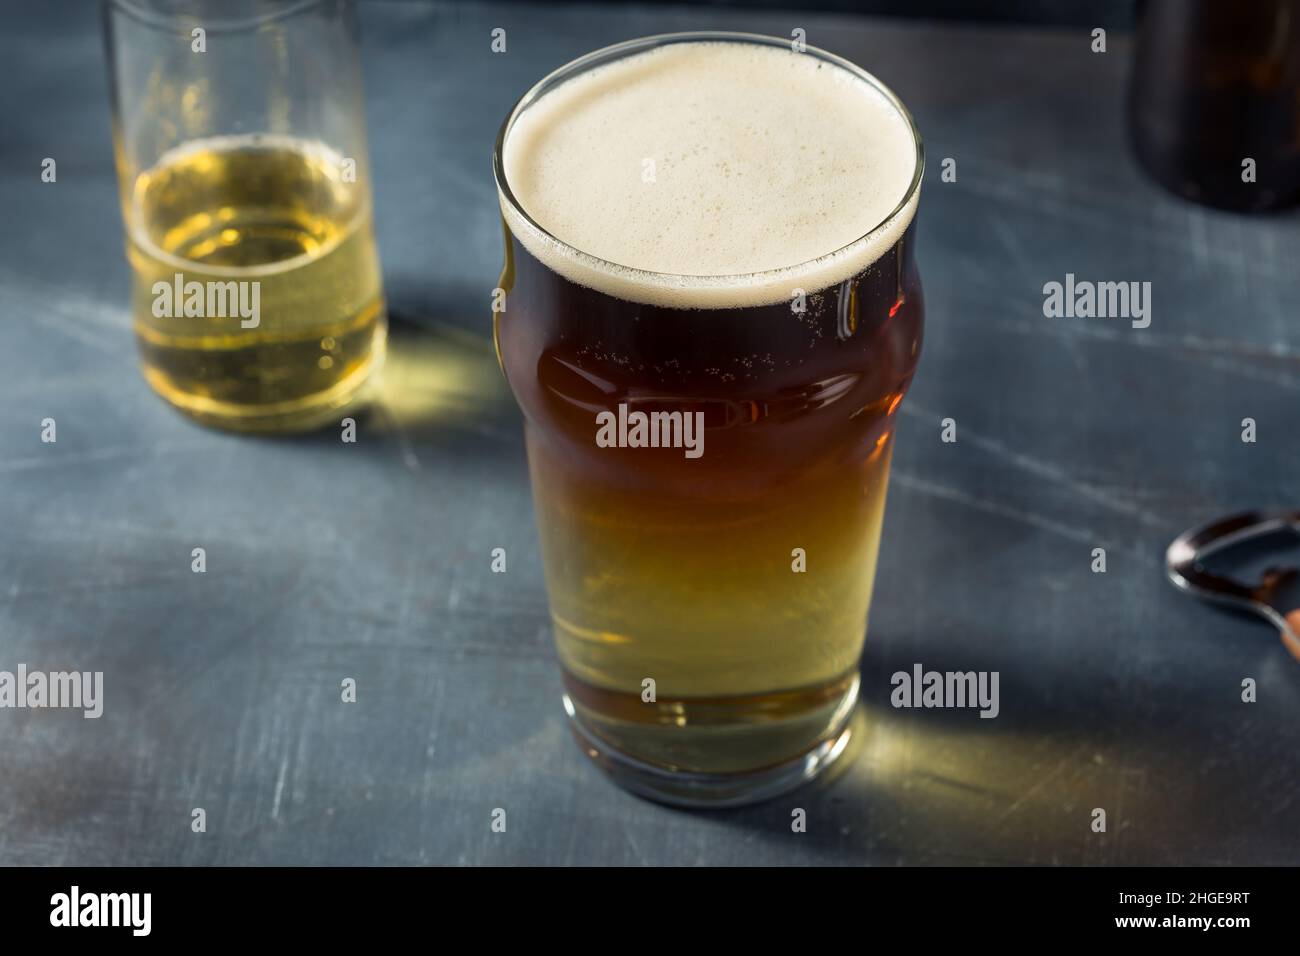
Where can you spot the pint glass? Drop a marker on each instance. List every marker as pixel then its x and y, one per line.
pixel 711 311
pixel 241 157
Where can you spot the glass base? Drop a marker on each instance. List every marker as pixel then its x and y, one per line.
pixel 309 413
pixel 185 378
pixel 684 788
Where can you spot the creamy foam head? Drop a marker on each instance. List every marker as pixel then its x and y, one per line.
pixel 695 165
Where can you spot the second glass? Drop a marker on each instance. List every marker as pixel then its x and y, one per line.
pixel 242 163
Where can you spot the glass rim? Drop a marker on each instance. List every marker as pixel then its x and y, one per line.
pixel 617 51
pixel 140 11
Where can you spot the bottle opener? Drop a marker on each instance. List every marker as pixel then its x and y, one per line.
pixel 1276 597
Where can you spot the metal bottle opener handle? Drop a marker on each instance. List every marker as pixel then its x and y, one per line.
pixel 1184 568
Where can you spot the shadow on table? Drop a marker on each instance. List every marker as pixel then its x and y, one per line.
pixel 934 786
pixel 441 391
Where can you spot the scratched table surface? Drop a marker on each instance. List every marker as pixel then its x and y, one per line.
pixel 372 560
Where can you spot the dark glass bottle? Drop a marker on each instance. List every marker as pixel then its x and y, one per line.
pixel 1216 83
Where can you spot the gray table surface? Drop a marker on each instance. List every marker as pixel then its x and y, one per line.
pixel 371 560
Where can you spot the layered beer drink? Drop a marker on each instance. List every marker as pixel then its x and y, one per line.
pixel 712 313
